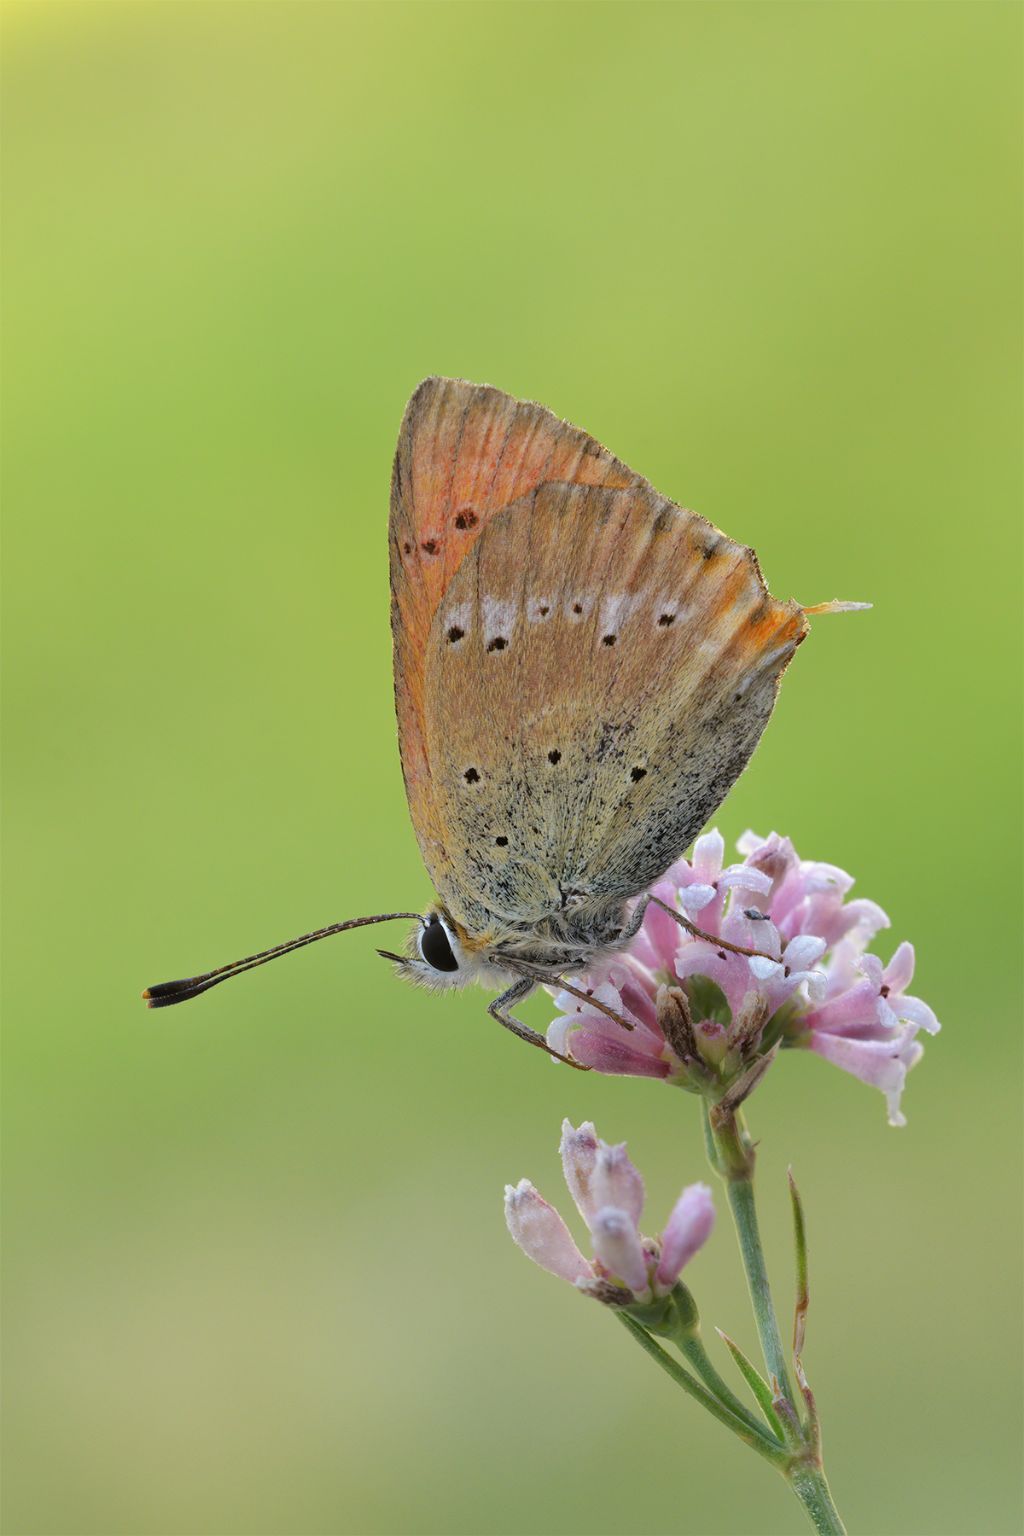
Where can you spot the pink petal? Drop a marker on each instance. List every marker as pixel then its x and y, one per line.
pixel 661 932
pixel 637 989
pixel 803 952
pixel 854 1007
pixel 882 1064
pixel 914 1011
pixel 694 898
pixel 559 1031
pixel 751 932
pixel 688 1229
pixel 708 853
pixel 868 918
pixel 605 1047
pixel 741 877
pixel 542 1234
pixel 825 877
pixel 899 973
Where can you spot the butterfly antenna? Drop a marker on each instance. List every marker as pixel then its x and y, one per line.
pixel 168 992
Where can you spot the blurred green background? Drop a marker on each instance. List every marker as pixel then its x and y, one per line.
pixel 257 1277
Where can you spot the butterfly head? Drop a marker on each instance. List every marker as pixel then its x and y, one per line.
pixel 439 954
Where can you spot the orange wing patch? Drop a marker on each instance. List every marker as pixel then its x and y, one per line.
pixel 464 452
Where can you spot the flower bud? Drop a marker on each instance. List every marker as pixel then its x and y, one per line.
pixel 618 1246
pixel 688 1229
pixel 610 1194
pixel 542 1234
pixel 617 1183
pixel 579 1159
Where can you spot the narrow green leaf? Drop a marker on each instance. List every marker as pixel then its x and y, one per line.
pixel 802 1290
pixel 757 1384
pixel 750 1433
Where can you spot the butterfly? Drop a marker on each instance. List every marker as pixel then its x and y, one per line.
pixel 582 670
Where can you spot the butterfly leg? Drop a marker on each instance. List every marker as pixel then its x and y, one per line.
pixel 515 994
pixel 692 929
pixel 584 997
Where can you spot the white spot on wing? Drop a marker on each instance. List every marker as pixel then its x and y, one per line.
pixel 617 608
pixel 459 615
pixel 499 617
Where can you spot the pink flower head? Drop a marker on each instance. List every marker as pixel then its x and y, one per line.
pixel 609 1194
pixel 813 983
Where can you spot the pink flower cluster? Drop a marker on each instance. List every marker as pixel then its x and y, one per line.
pixel 814 985
pixel 627 1268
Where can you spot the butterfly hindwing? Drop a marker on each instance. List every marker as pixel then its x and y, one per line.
pixel 600 667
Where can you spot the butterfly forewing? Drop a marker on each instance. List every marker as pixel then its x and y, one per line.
pixel 465 452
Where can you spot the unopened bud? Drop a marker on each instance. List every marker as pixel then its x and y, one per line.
pixel 542 1234
pixel 748 1025
pixel 617 1245
pixel 689 1227
pixel 617 1182
pixel 675 1022
pixel 579 1159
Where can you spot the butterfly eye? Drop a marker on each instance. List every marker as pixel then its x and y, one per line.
pixel 435 946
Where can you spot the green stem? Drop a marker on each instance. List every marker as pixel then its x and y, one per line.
pixel 735 1163
pixel 681 1324
pixel 693 1350
pixel 732 1155
pixel 750 1434
pixel 811 1488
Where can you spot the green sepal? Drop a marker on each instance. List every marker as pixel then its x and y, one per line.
pixel 657 1316
pixel 674 1316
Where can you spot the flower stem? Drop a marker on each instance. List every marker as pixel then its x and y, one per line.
pixel 732 1155
pixel 683 1328
pixel 811 1488
pixel 750 1434
pixel 734 1160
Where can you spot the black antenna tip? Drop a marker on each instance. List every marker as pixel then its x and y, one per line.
pixel 168 992
pixel 168 988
